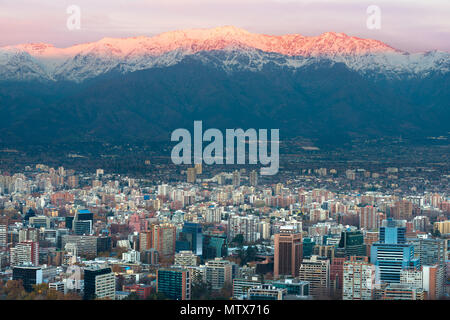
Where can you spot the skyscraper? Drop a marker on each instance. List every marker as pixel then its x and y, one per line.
pixel 392 254
pixel 351 244
pixel 253 178
pixel 164 237
pixel 359 279
pixel 191 238
pixel 236 178
pixel 316 271
pixel 288 253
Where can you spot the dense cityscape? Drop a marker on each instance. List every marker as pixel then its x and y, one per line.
pixel 321 234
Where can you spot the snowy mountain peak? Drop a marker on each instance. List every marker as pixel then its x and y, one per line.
pixel 242 49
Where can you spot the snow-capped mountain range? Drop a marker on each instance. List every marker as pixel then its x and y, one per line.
pixel 228 47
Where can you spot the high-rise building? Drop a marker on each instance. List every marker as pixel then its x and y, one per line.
pixel 236 178
pixel 190 238
pixel 218 273
pixel 432 256
pixel 30 275
pixel 337 276
pixel 351 244
pixel 288 253
pixel 191 175
pixel 86 245
pixel 164 238
pixel 245 225
pixel 359 279
pixel 253 178
pixel 3 235
pixel 145 240
pixel 99 283
pixel 198 168
pixel 26 252
pixel 392 254
pixel 214 246
pixel 370 218
pixel 175 283
pixel 316 271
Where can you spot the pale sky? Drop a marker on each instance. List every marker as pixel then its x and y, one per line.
pixel 407 25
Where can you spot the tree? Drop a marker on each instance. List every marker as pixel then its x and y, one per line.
pixel 200 290
pixel 238 240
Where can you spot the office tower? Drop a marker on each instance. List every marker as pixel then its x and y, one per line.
pixel 164 238
pixel 3 235
pixel 359 279
pixel 218 273
pixel 337 276
pixel 30 275
pixel 397 291
pixel 351 244
pixel 191 175
pixel 145 240
pixel 185 259
pixel 308 247
pixel 393 231
pixel 370 218
pixel 190 238
pixel 99 283
pixel 245 225
pixel 236 178
pixel 103 244
pixel 266 292
pixel 317 272
pixel 214 246
pixel 392 254
pixel 288 253
pixel 175 283
pixel 81 227
pixel 26 252
pixel 253 178
pixel 242 285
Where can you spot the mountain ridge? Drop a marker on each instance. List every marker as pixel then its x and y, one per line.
pixel 84 61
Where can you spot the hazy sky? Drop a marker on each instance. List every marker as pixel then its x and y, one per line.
pixel 409 25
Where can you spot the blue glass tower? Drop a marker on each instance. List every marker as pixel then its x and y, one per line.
pixel 392 254
pixel 190 238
